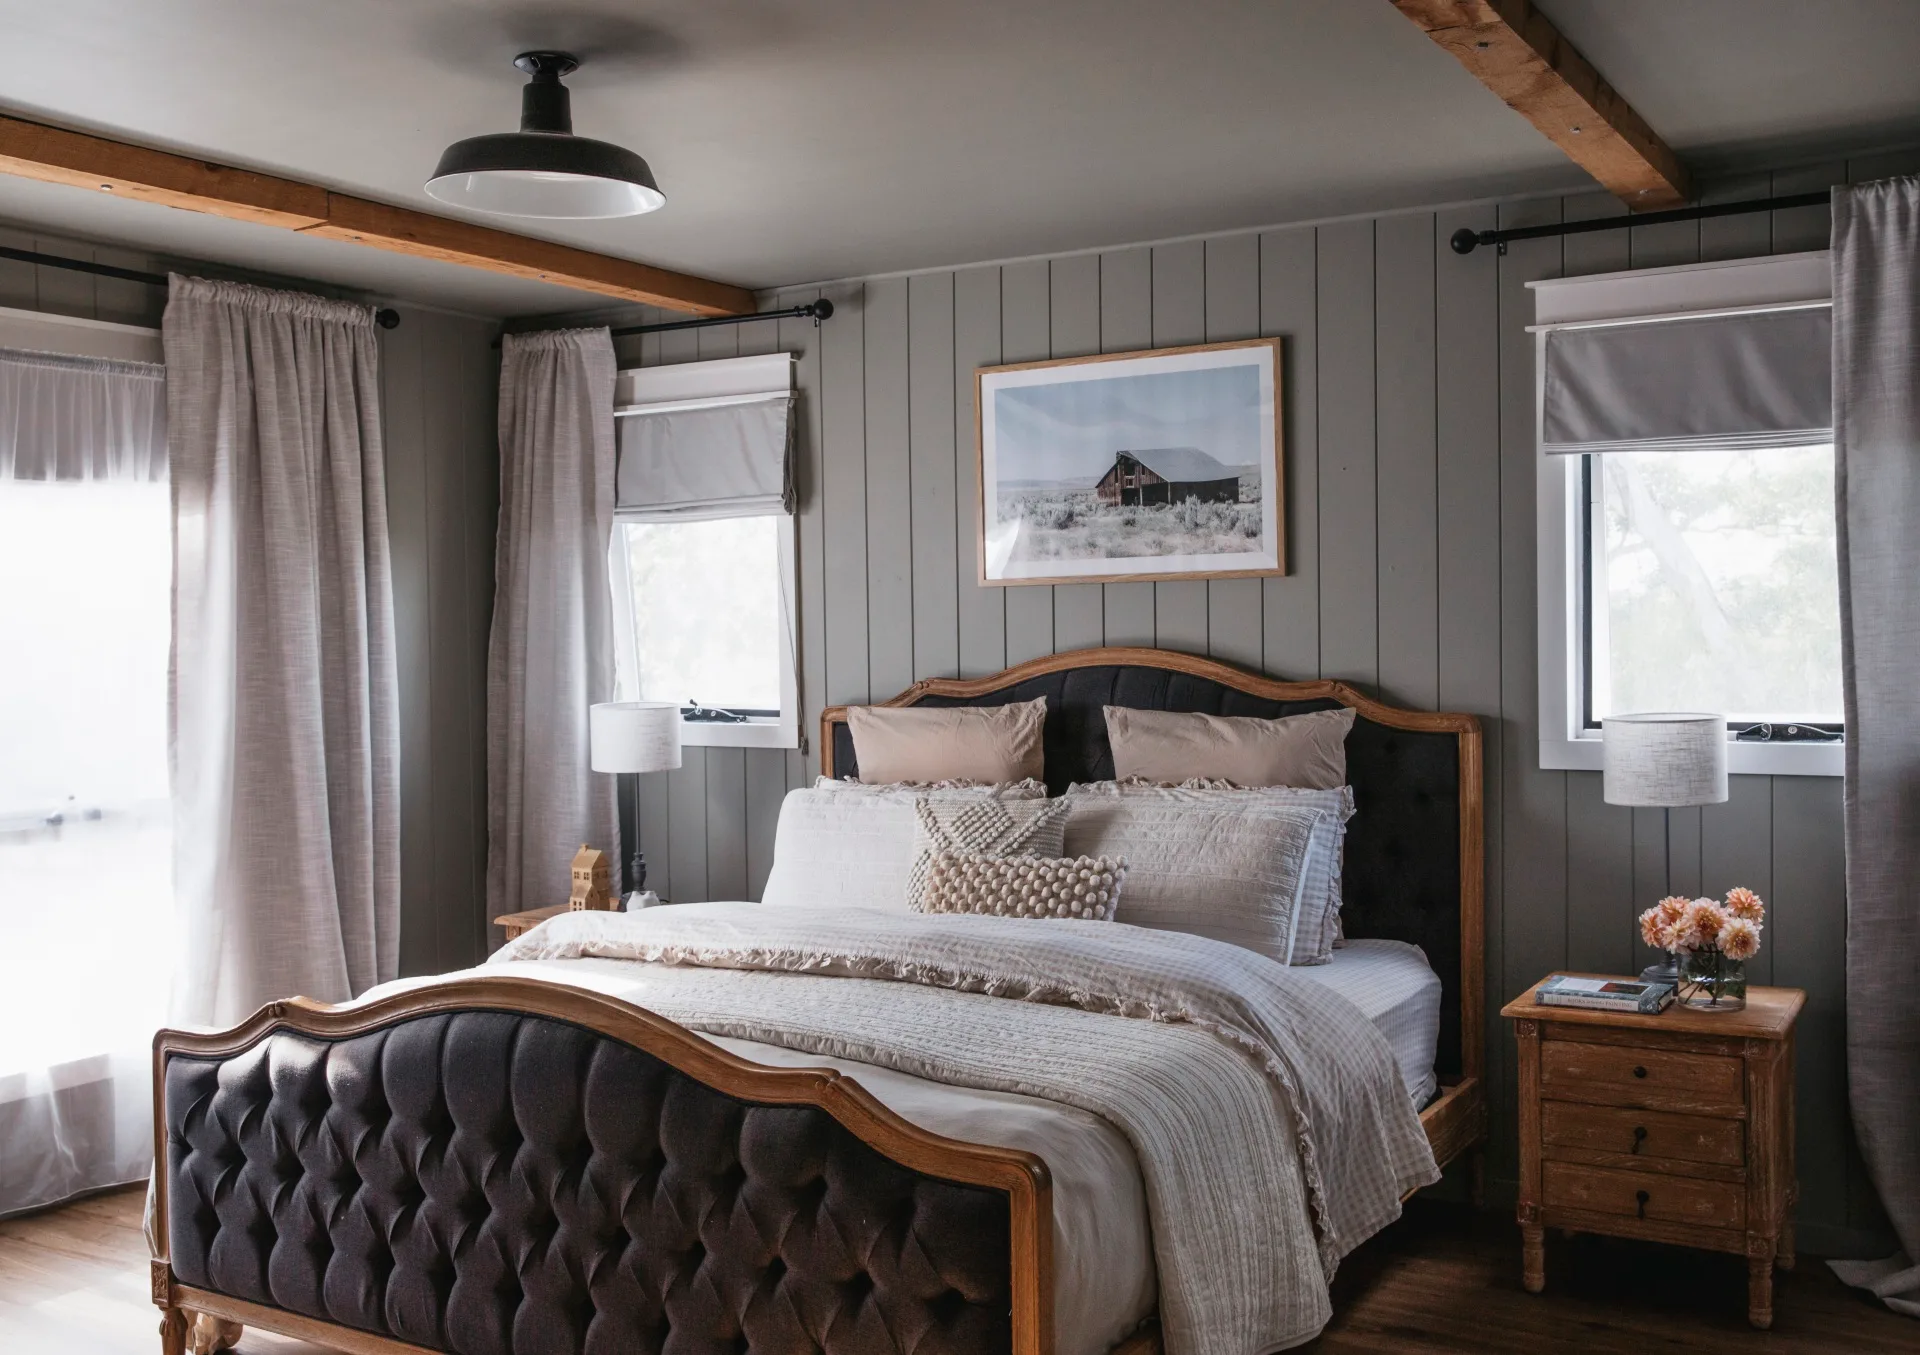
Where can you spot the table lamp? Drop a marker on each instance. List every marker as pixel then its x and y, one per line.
pixel 1664 761
pixel 630 738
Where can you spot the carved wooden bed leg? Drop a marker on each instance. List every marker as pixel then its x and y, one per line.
pixel 208 1334
pixel 173 1332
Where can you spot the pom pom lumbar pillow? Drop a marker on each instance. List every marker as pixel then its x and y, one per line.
pixel 991 827
pixel 1085 887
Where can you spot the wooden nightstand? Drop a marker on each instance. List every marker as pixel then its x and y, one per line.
pixel 1674 1128
pixel 515 923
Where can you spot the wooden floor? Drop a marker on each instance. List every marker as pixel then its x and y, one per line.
pixel 74 1282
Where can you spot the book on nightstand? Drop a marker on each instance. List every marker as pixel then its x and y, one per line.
pixel 1605 995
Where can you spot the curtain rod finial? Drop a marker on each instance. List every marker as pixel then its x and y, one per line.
pixel 1464 240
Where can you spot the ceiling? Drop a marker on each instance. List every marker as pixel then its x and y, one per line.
pixel 801 140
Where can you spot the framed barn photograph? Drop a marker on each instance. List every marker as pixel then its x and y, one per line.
pixel 1154 465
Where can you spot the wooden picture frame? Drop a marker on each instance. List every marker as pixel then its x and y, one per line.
pixel 1069 505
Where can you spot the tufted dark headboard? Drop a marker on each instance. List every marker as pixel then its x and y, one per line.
pixel 1414 866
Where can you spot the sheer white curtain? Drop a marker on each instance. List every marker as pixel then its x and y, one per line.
pixel 86 891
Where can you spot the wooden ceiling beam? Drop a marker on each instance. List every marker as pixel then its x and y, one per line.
pixel 31 150
pixel 1512 49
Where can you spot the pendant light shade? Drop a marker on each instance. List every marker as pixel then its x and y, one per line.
pixel 544 170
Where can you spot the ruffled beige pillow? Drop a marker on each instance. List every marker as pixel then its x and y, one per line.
pixel 1085 887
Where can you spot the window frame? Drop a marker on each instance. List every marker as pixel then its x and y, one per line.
pixel 781 730
pixel 1565 741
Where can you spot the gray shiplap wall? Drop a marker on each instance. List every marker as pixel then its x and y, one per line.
pixel 1410 446
pixel 438 385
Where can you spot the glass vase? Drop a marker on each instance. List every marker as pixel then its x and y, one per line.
pixel 1710 982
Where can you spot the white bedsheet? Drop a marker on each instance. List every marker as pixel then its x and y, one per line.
pixel 1391 982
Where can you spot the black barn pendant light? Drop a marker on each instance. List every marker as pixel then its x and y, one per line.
pixel 543 169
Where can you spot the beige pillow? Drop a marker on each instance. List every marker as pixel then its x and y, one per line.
pixel 1085 887
pixel 1295 750
pixel 990 827
pixel 946 743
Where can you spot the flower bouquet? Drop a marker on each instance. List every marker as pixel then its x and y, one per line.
pixel 1712 943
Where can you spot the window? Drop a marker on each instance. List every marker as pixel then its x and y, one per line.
pixel 705 608
pixel 702 556
pixel 1687 538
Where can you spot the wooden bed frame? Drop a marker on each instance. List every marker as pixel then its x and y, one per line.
pixel 202 1320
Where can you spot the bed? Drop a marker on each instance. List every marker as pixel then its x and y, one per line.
pixel 421 1171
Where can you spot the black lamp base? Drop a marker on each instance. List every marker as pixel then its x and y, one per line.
pixel 1662 971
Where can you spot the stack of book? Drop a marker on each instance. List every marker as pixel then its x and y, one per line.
pixel 1605 995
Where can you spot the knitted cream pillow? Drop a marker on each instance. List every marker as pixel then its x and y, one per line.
pixel 993 826
pixel 1086 887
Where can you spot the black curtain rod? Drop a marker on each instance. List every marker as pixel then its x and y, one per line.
pixel 815 311
pixel 1466 240
pixel 385 317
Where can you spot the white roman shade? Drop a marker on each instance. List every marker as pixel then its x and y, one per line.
pixel 81 418
pixel 1732 381
pixel 703 440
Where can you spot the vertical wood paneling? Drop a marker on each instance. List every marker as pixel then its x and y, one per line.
pixel 889 490
pixel 1349 554
pixel 1736 237
pixel 1026 336
pixel 1233 312
pixel 1801 228
pixel 1406 429
pixel 976 344
pixel 1180 317
pixel 1289 307
pixel 937 512
pixel 843 473
pixel 1532 802
pixel 1079 619
pixel 1126 323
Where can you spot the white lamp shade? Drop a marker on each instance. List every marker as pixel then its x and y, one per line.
pixel 1664 760
pixel 634 736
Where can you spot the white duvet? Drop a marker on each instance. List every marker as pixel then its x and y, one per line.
pixel 1267 1116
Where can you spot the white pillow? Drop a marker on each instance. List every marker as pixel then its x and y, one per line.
pixel 1233 869
pixel 842 844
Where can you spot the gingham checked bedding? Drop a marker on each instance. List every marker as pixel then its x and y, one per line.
pixel 1272 1127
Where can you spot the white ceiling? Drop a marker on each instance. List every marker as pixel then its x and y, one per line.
pixel 800 140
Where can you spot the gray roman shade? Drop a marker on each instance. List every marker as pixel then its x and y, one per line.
pixel 1722 382
pixel 704 440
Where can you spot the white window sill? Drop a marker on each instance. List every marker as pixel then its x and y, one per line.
pixel 756 733
pixel 1743 759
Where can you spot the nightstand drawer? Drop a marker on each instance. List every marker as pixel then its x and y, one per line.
pixel 1626 1075
pixel 1647 1195
pixel 1642 1133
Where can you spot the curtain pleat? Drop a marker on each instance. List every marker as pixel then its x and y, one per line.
pixel 284 689
pixel 1876 397
pixel 550 656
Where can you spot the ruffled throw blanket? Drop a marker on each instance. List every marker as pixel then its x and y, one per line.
pixel 1267 1113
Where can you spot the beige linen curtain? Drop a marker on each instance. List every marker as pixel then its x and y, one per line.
pixel 550 656
pixel 284 696
pixel 1876 444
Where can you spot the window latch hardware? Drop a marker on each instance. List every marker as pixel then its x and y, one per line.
pixel 695 713
pixel 1768 732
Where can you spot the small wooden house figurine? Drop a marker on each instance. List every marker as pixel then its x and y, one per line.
pixel 1167 475
pixel 592 882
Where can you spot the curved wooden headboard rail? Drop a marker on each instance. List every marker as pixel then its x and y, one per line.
pixel 1456 1120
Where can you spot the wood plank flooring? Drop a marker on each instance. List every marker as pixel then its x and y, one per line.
pixel 73 1281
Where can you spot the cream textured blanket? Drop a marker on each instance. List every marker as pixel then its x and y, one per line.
pixel 1267 1113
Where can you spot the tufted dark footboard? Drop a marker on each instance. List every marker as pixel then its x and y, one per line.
pixel 503 1167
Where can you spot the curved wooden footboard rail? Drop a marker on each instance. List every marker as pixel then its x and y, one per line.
pixel 204 1319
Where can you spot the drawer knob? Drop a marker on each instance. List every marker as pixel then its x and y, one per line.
pixel 1639 1071
pixel 1639 1137
pixel 1642 1197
